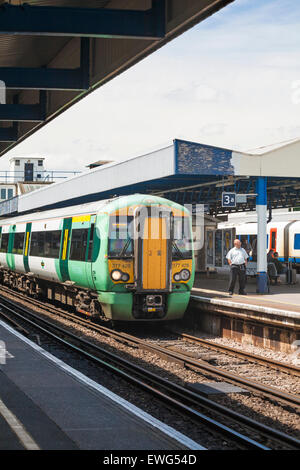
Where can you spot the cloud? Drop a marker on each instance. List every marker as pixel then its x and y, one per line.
pixel 226 82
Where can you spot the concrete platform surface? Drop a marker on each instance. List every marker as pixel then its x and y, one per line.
pixel 46 404
pixel 282 297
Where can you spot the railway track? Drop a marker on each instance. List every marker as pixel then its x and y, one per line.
pixel 255 358
pixel 175 395
pixel 178 356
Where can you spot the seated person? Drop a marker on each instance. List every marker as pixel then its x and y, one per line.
pixel 281 268
pixel 270 256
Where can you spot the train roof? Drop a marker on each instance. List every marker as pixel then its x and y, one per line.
pixel 81 209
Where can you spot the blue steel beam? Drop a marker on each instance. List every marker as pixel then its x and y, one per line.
pixel 42 79
pixel 92 22
pixel 9 134
pixel 21 112
pixel 78 79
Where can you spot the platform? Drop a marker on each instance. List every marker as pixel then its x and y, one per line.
pixel 283 297
pixel 46 404
pixel 270 321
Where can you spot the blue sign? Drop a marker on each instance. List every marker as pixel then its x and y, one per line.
pixel 228 199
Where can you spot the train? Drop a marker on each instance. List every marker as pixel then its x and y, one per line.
pixel 282 236
pixel 128 258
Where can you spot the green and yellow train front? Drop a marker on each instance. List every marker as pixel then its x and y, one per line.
pixel 145 268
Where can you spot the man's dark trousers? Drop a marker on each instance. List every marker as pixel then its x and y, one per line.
pixel 240 272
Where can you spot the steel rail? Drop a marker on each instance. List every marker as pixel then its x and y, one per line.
pixel 172 389
pixel 183 359
pixel 277 365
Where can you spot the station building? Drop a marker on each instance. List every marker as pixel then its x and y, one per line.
pixel 194 174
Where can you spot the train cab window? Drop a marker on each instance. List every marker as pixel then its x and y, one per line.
pixel 120 243
pixel 4 243
pixel 18 243
pixel 78 244
pixel 182 242
pixel 45 244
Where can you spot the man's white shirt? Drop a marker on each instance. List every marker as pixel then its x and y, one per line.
pixel 237 255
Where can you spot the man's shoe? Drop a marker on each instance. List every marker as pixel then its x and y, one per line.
pixel 243 293
pixel 230 292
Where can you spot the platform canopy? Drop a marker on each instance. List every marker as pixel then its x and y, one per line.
pixel 54 52
pixel 186 172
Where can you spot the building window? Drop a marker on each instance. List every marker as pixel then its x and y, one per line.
pixel 3 193
pixel 10 193
pixel 17 162
pixel 40 162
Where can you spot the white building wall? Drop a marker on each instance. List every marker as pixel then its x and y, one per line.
pixel 17 168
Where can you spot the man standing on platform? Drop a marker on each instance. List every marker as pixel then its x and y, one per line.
pixel 237 260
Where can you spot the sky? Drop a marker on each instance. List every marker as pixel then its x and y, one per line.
pixel 231 81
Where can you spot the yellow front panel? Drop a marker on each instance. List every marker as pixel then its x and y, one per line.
pixel 154 254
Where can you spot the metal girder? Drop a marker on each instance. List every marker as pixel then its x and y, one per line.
pixel 78 79
pixel 92 22
pixel 9 134
pixel 42 79
pixel 21 112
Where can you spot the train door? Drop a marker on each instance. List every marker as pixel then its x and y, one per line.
pixel 91 253
pixel 153 249
pixel 227 244
pixel 64 248
pixel 210 252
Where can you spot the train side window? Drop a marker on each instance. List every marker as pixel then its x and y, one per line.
pixel 4 243
pixel 45 244
pixel 52 244
pixel 37 244
pixel 297 241
pixel 18 243
pixel 78 244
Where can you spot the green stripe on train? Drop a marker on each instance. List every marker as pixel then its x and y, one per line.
pixel 10 257
pixel 63 271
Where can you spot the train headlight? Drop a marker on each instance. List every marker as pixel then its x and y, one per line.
pixel 116 275
pixel 150 299
pixel 185 274
pixel 125 277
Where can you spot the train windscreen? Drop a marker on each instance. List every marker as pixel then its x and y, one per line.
pixel 182 240
pixel 120 242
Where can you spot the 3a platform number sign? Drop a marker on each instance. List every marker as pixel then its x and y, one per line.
pixel 228 199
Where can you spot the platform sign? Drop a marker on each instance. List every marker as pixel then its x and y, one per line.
pixel 228 199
